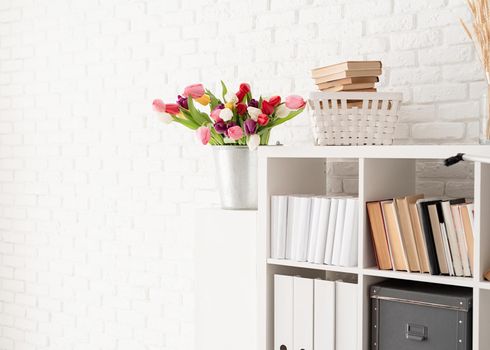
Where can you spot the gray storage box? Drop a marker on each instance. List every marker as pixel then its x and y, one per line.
pixel 416 316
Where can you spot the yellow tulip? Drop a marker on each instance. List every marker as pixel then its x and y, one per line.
pixel 229 105
pixel 204 99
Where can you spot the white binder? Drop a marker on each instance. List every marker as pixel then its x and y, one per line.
pixel 283 312
pixel 324 315
pixel 322 231
pixel 348 255
pixel 331 231
pixel 346 316
pixel 279 211
pixel 339 230
pixel 302 314
pixel 315 213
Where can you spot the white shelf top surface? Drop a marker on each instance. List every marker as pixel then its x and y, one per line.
pixel 394 151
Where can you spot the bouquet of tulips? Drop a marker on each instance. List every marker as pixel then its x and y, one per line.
pixel 235 119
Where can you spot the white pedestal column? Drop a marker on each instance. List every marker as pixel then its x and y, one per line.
pixel 226 279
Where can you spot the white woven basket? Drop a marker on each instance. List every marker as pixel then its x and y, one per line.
pixel 371 122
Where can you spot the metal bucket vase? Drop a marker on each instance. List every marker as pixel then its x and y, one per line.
pixel 236 169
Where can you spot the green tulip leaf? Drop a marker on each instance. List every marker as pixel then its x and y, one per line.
pixel 225 90
pixel 214 100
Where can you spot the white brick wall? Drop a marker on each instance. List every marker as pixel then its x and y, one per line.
pixel 95 194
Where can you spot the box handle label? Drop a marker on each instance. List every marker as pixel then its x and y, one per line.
pixel 416 332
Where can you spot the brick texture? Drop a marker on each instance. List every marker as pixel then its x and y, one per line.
pixel 96 196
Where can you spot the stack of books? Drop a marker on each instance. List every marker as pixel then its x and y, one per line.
pixel 318 230
pixel 414 234
pixel 348 76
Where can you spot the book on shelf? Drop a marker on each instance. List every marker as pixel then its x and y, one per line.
pixel 378 236
pixel 418 234
pixel 463 247
pixel 452 235
pixel 407 232
pixel 400 261
pixel 467 219
pixel 422 207
pixel 348 82
pixel 345 66
pixel 438 237
pixel 430 235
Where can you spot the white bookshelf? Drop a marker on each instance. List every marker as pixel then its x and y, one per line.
pixel 384 172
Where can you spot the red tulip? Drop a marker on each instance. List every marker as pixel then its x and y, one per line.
pixel 172 108
pixel 240 95
pixel 275 100
pixel 245 88
pixel 267 108
pixel 263 119
pixel 241 108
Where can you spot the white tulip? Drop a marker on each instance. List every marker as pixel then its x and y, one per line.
pixel 282 111
pixel 226 114
pixel 253 142
pixel 164 117
pixel 254 112
pixel 231 97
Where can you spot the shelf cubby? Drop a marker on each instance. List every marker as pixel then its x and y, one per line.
pixel 384 172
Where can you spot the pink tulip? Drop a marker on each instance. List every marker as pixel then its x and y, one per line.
pixel 194 91
pixel 235 133
pixel 203 134
pixel 158 106
pixel 215 114
pixel 295 102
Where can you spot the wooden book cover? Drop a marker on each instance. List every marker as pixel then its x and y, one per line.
pixel 354 87
pixel 418 234
pixel 349 81
pixel 467 218
pixel 343 66
pixel 348 74
pixel 436 232
pixel 378 234
pixel 407 231
pixel 394 235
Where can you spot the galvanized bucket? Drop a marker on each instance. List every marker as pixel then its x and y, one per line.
pixel 236 169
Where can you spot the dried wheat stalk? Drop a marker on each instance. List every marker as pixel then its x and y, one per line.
pixel 480 35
